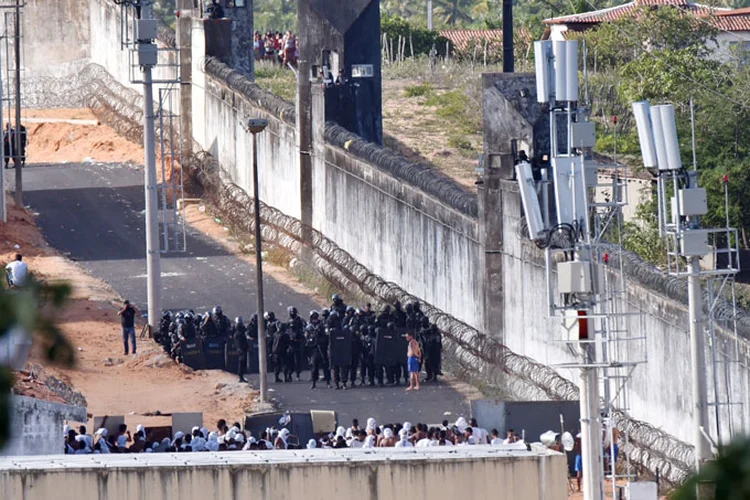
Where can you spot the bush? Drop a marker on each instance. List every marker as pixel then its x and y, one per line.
pixel 422 39
pixel 459 142
pixel 421 90
pixel 451 105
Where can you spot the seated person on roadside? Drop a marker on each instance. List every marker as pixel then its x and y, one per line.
pixel 16 272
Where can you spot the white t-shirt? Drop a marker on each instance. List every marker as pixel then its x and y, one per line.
pixel 423 443
pixel 404 444
pixel 356 443
pixel 497 441
pixel 480 435
pixel 18 271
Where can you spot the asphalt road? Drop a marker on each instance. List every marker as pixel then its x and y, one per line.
pixel 93 213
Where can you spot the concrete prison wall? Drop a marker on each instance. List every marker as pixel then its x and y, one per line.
pixel 36 426
pixel 291 475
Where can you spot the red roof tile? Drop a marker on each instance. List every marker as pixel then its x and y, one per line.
pixel 462 39
pixel 739 21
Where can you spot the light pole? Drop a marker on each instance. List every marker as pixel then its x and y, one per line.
pixel 255 126
pixel 146 28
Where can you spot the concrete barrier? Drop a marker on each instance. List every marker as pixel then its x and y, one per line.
pixel 438 473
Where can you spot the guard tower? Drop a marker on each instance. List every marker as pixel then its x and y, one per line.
pixel 340 49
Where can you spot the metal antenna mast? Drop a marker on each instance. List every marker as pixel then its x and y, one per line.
pixel 681 205
pixel 579 224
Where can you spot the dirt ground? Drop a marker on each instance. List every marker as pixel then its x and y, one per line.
pixel 66 142
pixel 413 129
pixel 112 383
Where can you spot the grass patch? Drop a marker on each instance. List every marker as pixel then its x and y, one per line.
pixel 277 255
pixel 459 142
pixel 420 90
pixel 276 79
pixel 450 105
pixel 463 145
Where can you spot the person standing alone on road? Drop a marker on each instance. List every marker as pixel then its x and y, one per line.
pixel 127 315
pixel 414 355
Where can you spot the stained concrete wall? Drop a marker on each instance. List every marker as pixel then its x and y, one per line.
pixel 399 232
pixel 56 31
pixel 36 427
pixel 321 475
pixel 106 38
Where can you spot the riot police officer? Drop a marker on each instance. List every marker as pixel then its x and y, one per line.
pixel 190 332
pixel 367 359
pixel 340 371
pixel 384 317
pixel 240 341
pixel 338 305
pixel 164 323
pixel 282 347
pixel 223 326
pixel 317 342
pixel 208 328
pixel 356 355
pixel 296 326
pixel 176 340
pixel 399 316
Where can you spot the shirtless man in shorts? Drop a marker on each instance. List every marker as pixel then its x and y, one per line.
pixel 414 354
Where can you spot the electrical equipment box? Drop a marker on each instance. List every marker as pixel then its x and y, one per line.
pixel 145 29
pixel 694 243
pixel 642 490
pixel 575 325
pixel 692 201
pixel 530 200
pixel 574 277
pixel 584 135
pixel 148 54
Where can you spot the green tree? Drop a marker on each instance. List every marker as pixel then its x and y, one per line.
pixel 33 309
pixel 725 478
pixel 421 38
pixel 642 234
pixel 275 15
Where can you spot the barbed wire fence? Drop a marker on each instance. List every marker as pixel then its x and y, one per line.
pixel 470 354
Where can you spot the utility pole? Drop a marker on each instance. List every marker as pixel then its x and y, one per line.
pixel 508 50
pixel 697 339
pixel 147 57
pixel 256 126
pixel 429 15
pixel 17 142
pixel 698 363
pixel 3 200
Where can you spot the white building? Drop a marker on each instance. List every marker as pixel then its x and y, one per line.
pixel 733 24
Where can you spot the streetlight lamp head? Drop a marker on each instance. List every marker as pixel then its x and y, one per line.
pixel 256 125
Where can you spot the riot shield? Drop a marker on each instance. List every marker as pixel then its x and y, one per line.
pixel 341 347
pixel 213 350
pixel 192 354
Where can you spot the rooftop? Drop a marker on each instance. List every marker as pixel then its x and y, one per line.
pixel 273 457
pixel 722 18
pixel 462 39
